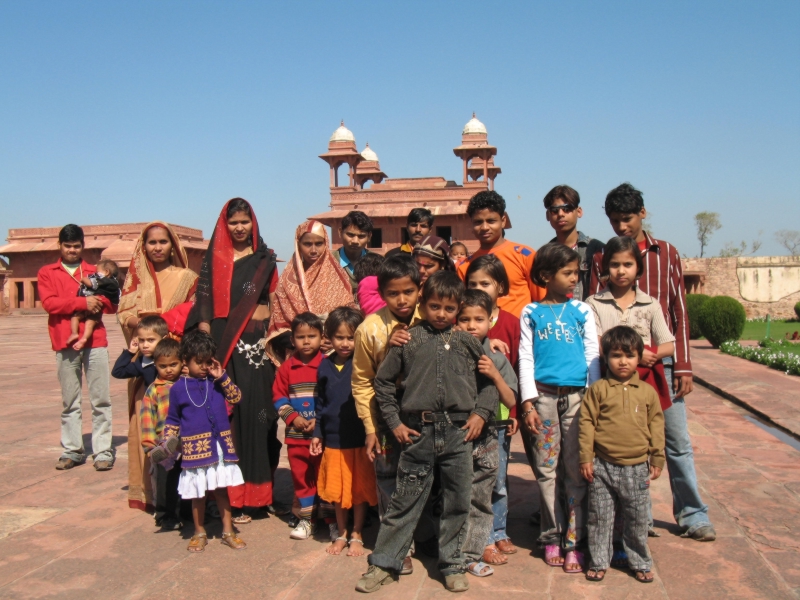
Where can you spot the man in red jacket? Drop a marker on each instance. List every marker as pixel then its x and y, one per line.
pixel 58 288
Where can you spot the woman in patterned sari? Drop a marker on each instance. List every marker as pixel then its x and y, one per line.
pixel 234 298
pixel 159 282
pixel 313 282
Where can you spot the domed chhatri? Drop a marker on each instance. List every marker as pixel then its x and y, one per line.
pixel 369 154
pixel 474 126
pixel 342 134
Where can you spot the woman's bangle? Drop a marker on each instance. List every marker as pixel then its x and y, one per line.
pixel 527 412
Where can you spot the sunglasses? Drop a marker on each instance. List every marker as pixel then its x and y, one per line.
pixel 556 208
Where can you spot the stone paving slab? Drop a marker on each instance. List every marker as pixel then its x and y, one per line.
pixel 767 392
pixel 71 535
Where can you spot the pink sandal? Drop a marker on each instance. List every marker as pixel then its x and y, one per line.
pixel 552 551
pixel 574 557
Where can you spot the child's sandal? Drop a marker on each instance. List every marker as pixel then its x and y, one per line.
pixel 198 542
pixel 574 561
pixel 552 552
pixel 233 541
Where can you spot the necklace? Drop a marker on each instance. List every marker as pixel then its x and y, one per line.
pixel 205 398
pixel 255 354
pixel 447 343
pixel 558 318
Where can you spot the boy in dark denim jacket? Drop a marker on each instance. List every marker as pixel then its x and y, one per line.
pixel 445 406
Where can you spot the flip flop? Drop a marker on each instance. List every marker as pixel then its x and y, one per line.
pixel 477 569
pixel 599 574
pixel 641 576
pixel 242 519
pixel 552 551
pixel 574 557
pixel 493 556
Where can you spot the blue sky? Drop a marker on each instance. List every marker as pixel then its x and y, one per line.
pixel 133 111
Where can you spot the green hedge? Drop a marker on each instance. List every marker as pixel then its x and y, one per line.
pixel 771 356
pixel 694 302
pixel 722 319
pixel 797 310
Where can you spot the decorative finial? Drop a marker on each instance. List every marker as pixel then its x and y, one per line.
pixel 473 115
pixel 342 122
pixel 367 144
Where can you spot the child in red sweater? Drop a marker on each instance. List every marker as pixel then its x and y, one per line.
pixel 294 393
pixel 487 273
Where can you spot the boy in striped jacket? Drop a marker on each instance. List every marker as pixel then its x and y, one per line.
pixel 294 393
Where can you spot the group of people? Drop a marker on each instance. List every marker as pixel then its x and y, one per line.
pixel 401 380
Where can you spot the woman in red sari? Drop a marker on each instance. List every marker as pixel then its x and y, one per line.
pixel 159 282
pixel 234 297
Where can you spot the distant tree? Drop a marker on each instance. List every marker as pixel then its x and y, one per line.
pixel 730 249
pixel 707 223
pixel 790 240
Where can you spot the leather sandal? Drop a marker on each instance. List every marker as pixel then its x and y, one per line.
pixel 242 519
pixel 492 556
pixel 232 540
pixel 506 546
pixel 198 542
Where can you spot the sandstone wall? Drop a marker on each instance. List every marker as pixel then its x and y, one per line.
pixel 765 285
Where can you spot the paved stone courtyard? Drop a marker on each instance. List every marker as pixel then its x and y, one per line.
pixel 70 534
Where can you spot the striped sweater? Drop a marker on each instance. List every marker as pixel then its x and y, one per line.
pixel 294 393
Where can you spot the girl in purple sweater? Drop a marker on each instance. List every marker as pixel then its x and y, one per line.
pixel 198 416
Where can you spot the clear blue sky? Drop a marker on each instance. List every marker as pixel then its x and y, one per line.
pixel 132 111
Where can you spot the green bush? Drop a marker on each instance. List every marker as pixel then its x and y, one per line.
pixel 797 310
pixel 694 302
pixel 722 319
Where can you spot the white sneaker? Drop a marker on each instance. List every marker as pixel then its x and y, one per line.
pixel 303 531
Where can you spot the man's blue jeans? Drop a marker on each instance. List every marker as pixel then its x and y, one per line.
pixel 687 506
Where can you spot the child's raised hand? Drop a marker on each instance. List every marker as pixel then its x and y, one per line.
pixel 133 348
pixel 532 419
pixel 655 472
pixel 648 358
pixel 587 470
pixel 315 449
pixel 499 346
pixel 216 370
pixel 326 345
pixel 473 427
pixel 400 335
pixel 299 424
pixel 403 434
pixel 486 367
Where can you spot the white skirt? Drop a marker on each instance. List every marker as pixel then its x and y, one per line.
pixel 195 482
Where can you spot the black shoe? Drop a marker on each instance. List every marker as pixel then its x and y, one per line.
pixel 293 521
pixel 171 525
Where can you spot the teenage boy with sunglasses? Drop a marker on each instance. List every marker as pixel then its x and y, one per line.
pixel 562 210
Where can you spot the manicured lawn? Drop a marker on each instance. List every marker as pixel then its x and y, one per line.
pixel 757 330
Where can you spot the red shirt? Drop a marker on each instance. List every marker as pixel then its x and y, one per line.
pixel 663 280
pixel 59 293
pixel 507 329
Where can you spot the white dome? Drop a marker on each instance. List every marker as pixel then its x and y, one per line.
pixel 368 154
pixel 343 134
pixel 474 126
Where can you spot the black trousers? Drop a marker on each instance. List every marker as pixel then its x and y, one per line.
pixel 167 498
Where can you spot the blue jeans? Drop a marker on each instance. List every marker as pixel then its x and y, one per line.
pixel 687 506
pixel 500 492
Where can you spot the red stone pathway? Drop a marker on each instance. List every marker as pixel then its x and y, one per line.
pixel 70 534
pixel 768 391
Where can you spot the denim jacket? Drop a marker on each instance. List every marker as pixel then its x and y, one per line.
pixel 433 377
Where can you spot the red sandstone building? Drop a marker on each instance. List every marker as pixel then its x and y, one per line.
pixel 30 249
pixel 388 201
